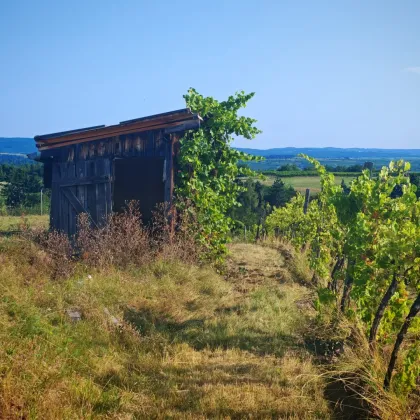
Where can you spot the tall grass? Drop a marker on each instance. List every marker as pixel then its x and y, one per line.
pixel 161 335
pixel 157 336
pixel 354 375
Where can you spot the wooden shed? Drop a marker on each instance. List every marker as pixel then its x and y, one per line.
pixel 98 169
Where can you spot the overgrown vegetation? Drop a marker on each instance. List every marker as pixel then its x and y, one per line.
pixel 363 245
pixel 209 166
pixel 129 327
pixel 256 201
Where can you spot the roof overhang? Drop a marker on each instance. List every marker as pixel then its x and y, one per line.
pixel 171 122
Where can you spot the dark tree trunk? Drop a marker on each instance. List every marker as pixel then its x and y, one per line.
pixel 348 283
pixel 414 310
pixel 337 267
pixel 381 310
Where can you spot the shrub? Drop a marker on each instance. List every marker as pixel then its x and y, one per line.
pixel 121 241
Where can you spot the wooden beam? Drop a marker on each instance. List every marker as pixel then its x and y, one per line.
pixel 188 125
pixel 75 203
pixel 73 200
pixel 103 135
pixel 141 122
pixel 118 129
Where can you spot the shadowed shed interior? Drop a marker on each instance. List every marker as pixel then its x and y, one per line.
pixel 140 179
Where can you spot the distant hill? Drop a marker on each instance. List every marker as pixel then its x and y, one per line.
pixel 334 153
pixel 14 150
pixel 24 145
pixel 21 145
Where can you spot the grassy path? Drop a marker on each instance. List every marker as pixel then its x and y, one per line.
pixel 187 343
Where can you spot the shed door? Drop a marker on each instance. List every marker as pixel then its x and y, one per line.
pixel 80 187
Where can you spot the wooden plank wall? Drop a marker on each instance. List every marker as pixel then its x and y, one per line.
pixel 80 185
pixel 85 172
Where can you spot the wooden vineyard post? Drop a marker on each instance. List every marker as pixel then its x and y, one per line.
pixel 305 206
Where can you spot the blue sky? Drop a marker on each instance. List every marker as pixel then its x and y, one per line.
pixel 325 73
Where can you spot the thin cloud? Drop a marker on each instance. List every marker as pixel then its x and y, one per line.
pixel 412 70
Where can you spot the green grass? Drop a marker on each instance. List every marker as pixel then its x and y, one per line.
pixel 167 340
pixel 300 183
pixel 170 340
pixel 10 223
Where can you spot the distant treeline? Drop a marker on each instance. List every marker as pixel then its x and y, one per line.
pixel 292 167
pixel 336 153
pixel 14 159
pixel 20 188
pixel 289 174
pixel 10 172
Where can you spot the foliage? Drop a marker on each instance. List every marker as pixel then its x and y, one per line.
pixel 256 203
pixel 374 225
pixel 292 167
pixel 339 168
pixel 317 227
pixel 410 372
pixel 279 194
pixel 288 167
pixel 415 180
pixel 290 222
pixel 247 214
pixel 20 188
pixel 209 166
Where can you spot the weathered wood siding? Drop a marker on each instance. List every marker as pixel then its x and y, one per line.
pixel 78 187
pixel 82 175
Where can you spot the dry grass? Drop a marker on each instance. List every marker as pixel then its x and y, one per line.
pixel 353 375
pixel 162 339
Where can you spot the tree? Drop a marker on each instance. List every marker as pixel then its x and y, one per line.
pixel 247 212
pixel 22 185
pixel 288 167
pixel 415 180
pixel 279 194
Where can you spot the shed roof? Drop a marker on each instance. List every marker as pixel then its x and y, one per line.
pixel 173 121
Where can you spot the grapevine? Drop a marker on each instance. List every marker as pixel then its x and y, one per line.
pixel 372 232
pixel 209 167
